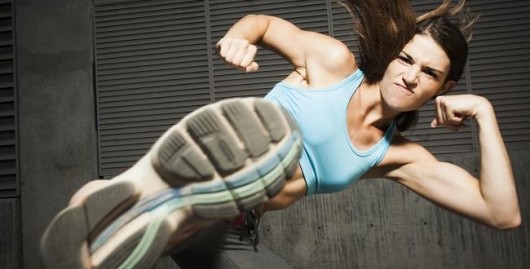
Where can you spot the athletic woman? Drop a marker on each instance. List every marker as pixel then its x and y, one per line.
pixel 348 112
pixel 350 116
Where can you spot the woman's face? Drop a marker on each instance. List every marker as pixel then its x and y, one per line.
pixel 416 75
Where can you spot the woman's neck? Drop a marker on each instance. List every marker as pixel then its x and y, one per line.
pixel 369 108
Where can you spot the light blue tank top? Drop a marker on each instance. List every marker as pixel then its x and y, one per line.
pixel 329 161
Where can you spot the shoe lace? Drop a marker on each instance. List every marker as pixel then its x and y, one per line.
pixel 249 229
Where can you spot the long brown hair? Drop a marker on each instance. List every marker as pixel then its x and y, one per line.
pixel 386 26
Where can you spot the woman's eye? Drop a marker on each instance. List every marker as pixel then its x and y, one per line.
pixel 430 73
pixel 404 59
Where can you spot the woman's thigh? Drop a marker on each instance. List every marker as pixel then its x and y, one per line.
pixel 222 247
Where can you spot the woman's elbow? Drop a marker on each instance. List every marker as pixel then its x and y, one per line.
pixel 508 223
pixel 257 18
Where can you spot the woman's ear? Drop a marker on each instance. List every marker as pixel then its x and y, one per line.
pixel 446 87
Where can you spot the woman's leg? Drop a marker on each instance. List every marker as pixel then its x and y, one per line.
pixel 222 246
pixel 220 160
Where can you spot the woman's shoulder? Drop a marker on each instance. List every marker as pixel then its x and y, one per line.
pixel 328 57
pixel 404 151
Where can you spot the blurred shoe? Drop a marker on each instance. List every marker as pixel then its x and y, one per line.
pixel 218 162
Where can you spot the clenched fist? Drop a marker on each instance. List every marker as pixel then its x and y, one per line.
pixel 453 110
pixel 238 53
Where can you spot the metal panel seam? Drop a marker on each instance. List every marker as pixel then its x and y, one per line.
pixel 209 50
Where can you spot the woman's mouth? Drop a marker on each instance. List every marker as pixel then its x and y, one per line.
pixel 404 89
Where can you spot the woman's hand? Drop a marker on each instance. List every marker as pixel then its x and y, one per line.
pixel 453 110
pixel 238 53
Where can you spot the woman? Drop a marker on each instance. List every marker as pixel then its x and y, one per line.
pixel 350 117
pixel 426 67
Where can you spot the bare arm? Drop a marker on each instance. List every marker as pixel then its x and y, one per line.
pixel 492 199
pixel 317 57
pixel 271 32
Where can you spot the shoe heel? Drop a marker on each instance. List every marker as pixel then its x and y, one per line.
pixel 64 243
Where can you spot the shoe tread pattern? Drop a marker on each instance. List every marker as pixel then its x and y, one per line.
pixel 231 156
pixel 232 137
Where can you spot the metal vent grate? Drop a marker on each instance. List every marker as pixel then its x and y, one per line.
pixel 156 62
pixel 8 124
pixel 152 69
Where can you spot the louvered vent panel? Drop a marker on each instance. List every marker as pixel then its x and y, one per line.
pixel 343 27
pixel 500 65
pixel 230 82
pixel 8 126
pixel 152 69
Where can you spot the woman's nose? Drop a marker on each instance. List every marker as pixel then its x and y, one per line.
pixel 411 76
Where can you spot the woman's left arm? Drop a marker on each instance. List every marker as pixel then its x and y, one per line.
pixel 492 199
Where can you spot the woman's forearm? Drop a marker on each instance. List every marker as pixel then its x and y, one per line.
pixel 496 175
pixel 251 27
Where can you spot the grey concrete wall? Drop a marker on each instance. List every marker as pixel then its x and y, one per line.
pixel 10 246
pixel 380 224
pixel 57 138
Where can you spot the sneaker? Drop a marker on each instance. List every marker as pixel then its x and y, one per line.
pixel 219 161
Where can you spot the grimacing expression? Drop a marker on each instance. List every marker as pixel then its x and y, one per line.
pixel 416 75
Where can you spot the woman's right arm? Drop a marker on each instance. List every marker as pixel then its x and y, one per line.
pixel 312 54
pixel 238 46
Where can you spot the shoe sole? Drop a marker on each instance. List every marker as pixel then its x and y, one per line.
pixel 219 161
